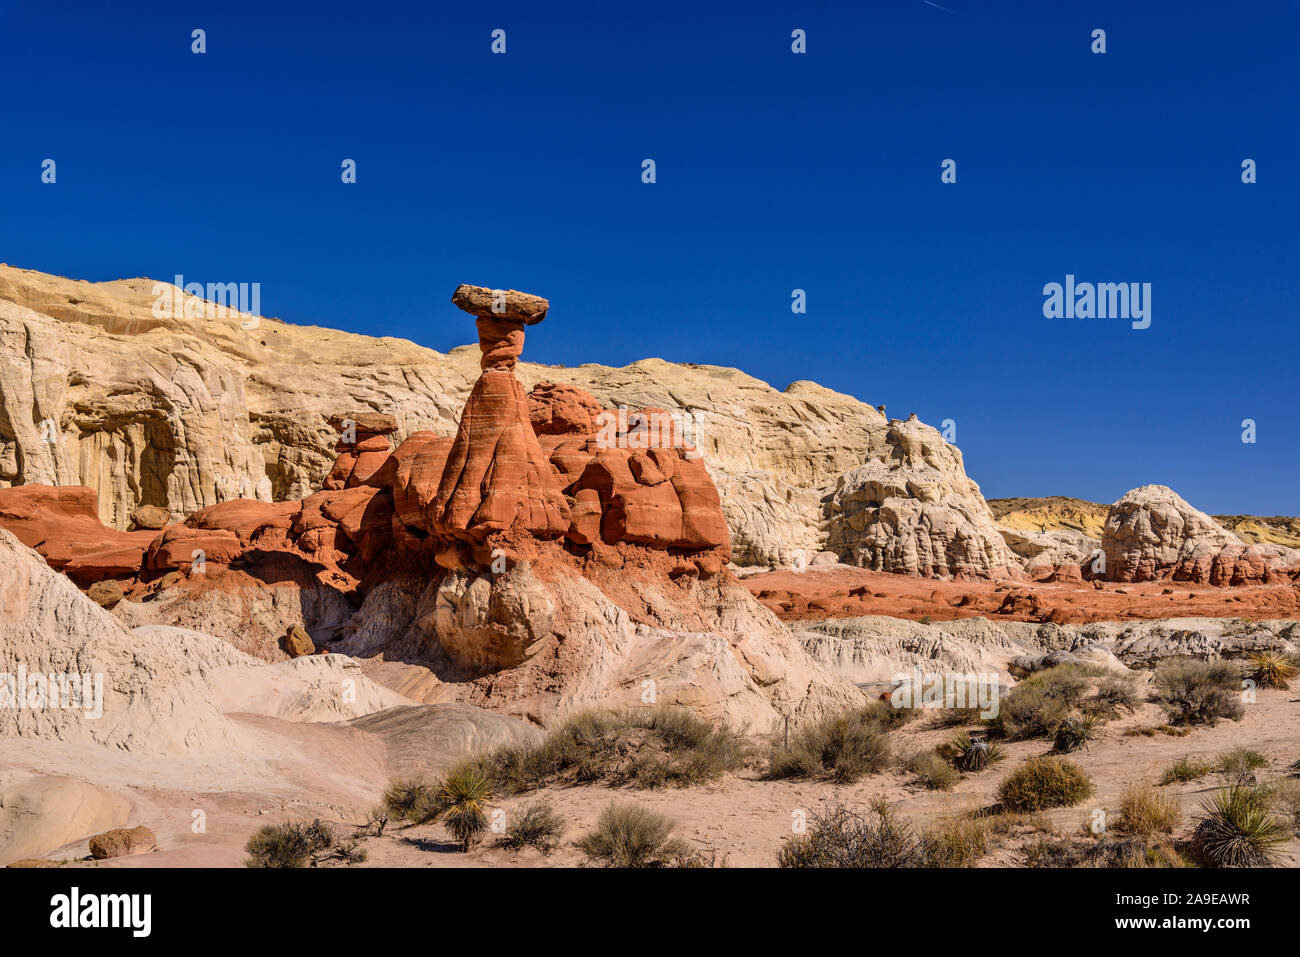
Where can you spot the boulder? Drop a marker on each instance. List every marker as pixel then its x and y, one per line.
pixel 297 642
pixel 123 842
pixel 150 516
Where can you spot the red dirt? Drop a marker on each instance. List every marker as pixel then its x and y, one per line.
pixel 846 592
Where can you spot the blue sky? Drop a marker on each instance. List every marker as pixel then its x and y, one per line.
pixel 775 171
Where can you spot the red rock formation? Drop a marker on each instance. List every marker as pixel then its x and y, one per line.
pixel 496 476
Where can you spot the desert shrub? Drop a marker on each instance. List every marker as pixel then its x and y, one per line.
pixel 837 837
pixel 956 842
pixel 1198 692
pixel 1283 798
pixel 629 835
pixel 1272 669
pixel 1237 829
pixel 636 747
pixel 463 801
pixel 288 845
pixel 1144 812
pixel 1111 851
pixel 1042 783
pixel 1115 695
pixel 971 754
pixel 1075 732
pixel 538 826
pixel 933 771
pixel 1038 704
pixel 404 796
pixel 846 747
pixel 1239 764
pixel 1185 769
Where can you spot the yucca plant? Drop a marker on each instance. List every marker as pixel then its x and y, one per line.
pixel 1238 830
pixel 465 793
pixel 1075 732
pixel 971 754
pixel 1272 669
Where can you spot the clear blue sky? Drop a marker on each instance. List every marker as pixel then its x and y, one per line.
pixel 776 171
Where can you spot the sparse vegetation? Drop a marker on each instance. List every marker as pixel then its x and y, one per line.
pixel 403 796
pixel 1283 797
pixel 1239 764
pixel 463 800
pixel 299 845
pixel 1237 829
pixel 538 826
pixel 1044 782
pixel 956 842
pixel 845 747
pixel 638 747
pixel 1144 812
pixel 1185 769
pixel 1038 705
pixel 1272 669
pixel 1075 732
pixel 1115 696
pixel 1110 851
pixel 970 754
pixel 837 837
pixel 1199 692
pixel 629 835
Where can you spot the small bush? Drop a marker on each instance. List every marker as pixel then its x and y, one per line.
pixel 629 835
pixel 1038 704
pixel 403 796
pixel 288 845
pixel 837 837
pixel 1272 669
pixel 1239 764
pixel 933 771
pixel 1199 692
pixel 538 826
pixel 1042 783
pixel 1185 769
pixel 1111 851
pixel 1075 732
pixel 1114 696
pixel 1283 797
pixel 1238 830
pixel 971 754
pixel 637 747
pixel 1144 812
pixel 846 747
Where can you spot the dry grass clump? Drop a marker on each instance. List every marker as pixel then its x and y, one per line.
pixel 1144 812
pixel 1199 692
pixel 1042 783
pixel 637 747
pixel 970 753
pixel 933 771
pixel 1186 769
pixel 1110 851
pixel 838 837
pixel 844 747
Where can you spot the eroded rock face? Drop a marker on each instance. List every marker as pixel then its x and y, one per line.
pixel 914 511
pixel 1153 533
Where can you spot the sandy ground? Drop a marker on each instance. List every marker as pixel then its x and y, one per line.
pixel 844 591
pixel 742 818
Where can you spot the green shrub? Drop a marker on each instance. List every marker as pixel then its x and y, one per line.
pixel 1199 692
pixel 1115 695
pixel 1238 830
pixel 837 837
pixel 933 771
pixel 1042 783
pixel 629 835
pixel 538 826
pixel 846 747
pixel 637 747
pixel 1185 769
pixel 1075 732
pixel 464 796
pixel 404 796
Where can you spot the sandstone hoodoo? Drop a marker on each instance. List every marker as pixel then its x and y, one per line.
pixel 496 476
